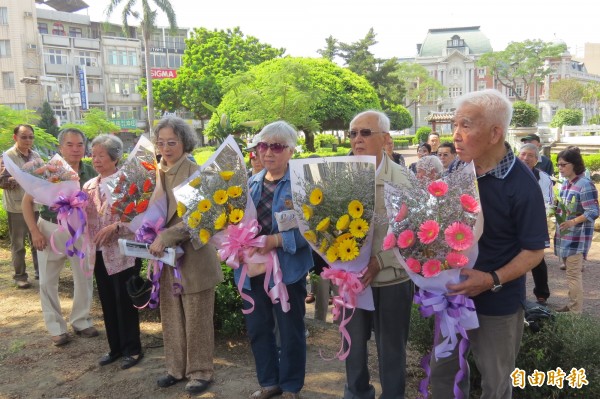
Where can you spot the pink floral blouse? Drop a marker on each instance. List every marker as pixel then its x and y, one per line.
pixel 99 216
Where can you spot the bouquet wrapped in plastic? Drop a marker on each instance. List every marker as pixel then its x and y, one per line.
pixel 131 188
pixel 56 185
pixel 215 206
pixel 434 228
pixel 335 201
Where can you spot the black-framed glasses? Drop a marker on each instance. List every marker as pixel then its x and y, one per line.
pixel 26 137
pixel 362 132
pixel 562 165
pixel 161 144
pixel 277 148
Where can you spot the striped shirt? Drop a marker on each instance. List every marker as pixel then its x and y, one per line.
pixel 578 239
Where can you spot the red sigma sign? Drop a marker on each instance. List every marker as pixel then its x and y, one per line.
pixel 158 73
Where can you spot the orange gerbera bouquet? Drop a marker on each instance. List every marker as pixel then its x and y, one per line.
pixel 131 188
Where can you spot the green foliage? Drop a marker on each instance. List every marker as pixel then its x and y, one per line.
pixel 311 94
pixel 201 154
pixel 420 335
pixel 95 123
pixel 3 220
pixel 326 140
pixel 422 134
pixel 400 143
pixel 228 317
pixel 521 63
pixel 419 85
pixel 9 118
pixel 568 117
pixel 592 162
pixel 569 91
pixel 524 114
pixel 594 120
pixel 400 117
pixel 48 120
pixel 210 58
pixel 571 341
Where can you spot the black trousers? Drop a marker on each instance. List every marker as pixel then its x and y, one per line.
pixel 121 318
pixel 540 280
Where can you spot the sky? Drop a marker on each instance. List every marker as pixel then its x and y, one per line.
pixel 302 26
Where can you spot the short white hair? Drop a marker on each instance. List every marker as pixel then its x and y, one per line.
pixel 429 163
pixel 495 107
pixel 280 131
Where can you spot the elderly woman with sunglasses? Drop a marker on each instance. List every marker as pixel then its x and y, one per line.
pixel 574 236
pixel 187 313
pixel 278 370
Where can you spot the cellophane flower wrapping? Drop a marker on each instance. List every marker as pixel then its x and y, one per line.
pixel 335 202
pixel 45 181
pixel 129 192
pixel 216 196
pixel 434 229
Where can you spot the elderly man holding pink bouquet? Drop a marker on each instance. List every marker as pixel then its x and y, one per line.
pixel 51 262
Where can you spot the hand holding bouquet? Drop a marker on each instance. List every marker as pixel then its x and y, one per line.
pixel 129 191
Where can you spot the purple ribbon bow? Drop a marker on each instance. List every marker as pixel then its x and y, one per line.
pixel 70 213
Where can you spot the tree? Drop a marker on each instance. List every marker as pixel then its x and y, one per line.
pixel 400 117
pixel 524 114
pixel 210 58
pixel 569 91
pixel 568 117
pixel 418 84
pixel 95 123
pixel 310 93
pixel 147 24
pixel 357 55
pixel 48 120
pixel 331 49
pixel 521 63
pixel 9 118
pixel 166 94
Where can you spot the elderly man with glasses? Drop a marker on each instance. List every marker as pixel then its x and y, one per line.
pixel 391 287
pixel 21 153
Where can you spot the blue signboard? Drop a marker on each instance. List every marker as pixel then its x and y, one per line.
pixel 83 88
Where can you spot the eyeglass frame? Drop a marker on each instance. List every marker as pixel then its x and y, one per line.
pixel 562 165
pixel 362 132
pixel 264 147
pixel 170 143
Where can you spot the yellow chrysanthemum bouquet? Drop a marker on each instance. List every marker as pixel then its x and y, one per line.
pixel 216 195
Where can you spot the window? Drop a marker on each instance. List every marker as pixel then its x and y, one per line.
pixel 133 59
pixel 517 91
pixel 43 28
pixel 94 86
pixel 112 57
pixel 8 80
pixel 124 112
pixel 86 58
pixel 17 106
pixel 481 86
pixel 3 16
pixel 120 83
pixel 56 56
pixel 481 72
pixel 4 48
pixel 456 41
pixel 454 92
pixel 174 61
pixel 158 60
pixel 454 73
pixel 75 32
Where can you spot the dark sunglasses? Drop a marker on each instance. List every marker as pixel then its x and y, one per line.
pixel 363 132
pixel 275 147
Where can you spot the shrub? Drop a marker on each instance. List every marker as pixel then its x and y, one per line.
pixel 422 134
pixel 228 317
pixel 326 140
pixel 570 341
pixel 594 120
pixel 3 220
pixel 592 162
pixel 524 114
pixel 568 117
pixel 411 139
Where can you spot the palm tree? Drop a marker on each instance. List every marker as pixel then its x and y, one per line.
pixel 147 24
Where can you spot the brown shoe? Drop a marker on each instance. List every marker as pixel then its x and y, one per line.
pixel 564 309
pixel 563 267
pixel 266 393
pixel 89 332
pixel 59 340
pixel 290 395
pixel 23 284
pixel 310 298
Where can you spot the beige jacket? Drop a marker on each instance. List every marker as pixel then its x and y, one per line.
pixel 200 268
pixel 13 193
pixel 391 271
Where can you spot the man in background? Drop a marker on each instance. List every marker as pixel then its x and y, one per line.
pixel 447 154
pixel 544 163
pixel 434 142
pixel 20 153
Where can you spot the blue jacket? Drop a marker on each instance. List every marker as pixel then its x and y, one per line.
pixel 295 257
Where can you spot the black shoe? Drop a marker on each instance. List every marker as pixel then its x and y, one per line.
pixel 108 358
pixel 196 386
pixel 130 361
pixel 167 380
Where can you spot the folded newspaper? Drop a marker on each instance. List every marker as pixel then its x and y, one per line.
pixel 140 250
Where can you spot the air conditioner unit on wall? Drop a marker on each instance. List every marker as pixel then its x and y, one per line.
pixel 125 92
pixel 28 14
pixel 32 46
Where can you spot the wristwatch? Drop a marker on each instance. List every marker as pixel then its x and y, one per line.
pixel 497 286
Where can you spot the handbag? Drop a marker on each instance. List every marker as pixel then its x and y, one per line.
pixel 139 291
